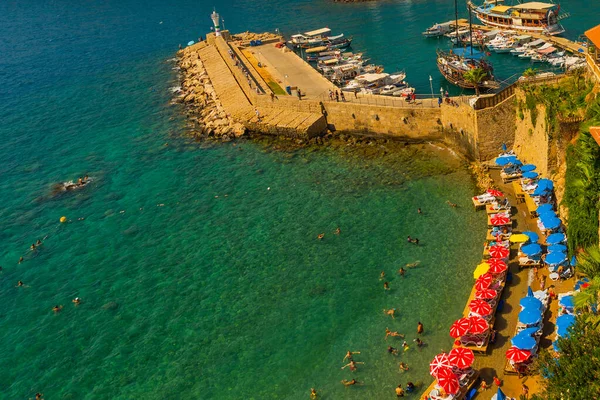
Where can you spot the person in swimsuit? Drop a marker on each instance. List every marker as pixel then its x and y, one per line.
pixel 391 312
pixel 409 240
pixel 352 365
pixel 337 231
pixel 57 309
pixel 321 236
pixel 77 301
pixel 20 260
pixel 405 345
pixel 350 383
pixel 399 391
pixel 313 393
pixel 349 355
pixel 382 275
pixel 386 286
pixel 38 242
pixel 419 211
pixel 403 366
pixel 32 246
pixel 419 327
pixel 20 283
pixel 418 341
pixel 410 387
pixel 392 350
pixel 393 334
pixel 401 271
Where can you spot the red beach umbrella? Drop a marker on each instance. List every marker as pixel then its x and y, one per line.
pixel 499 219
pixel 461 357
pixel 478 325
pixel 460 327
pixel 498 269
pixel 496 262
pixel 517 355
pixel 499 252
pixel 439 362
pixel 484 281
pixel 495 193
pixel 448 381
pixel 486 294
pixel 480 307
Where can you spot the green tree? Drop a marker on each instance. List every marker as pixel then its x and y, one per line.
pixel 530 72
pixel 574 375
pixel 475 77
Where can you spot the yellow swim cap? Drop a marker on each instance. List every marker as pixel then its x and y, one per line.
pixel 63 220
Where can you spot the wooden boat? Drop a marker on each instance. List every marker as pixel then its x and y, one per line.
pixel 532 16
pixel 437 30
pixel 454 64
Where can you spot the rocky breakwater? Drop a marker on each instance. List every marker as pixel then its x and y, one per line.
pixel 206 116
pixel 246 37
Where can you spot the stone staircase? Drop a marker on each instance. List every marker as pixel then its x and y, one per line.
pixel 275 121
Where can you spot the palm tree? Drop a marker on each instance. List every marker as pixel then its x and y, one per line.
pixel 530 72
pixel 587 301
pixel 475 77
pixel 588 262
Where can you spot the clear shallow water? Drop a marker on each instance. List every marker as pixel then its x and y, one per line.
pixel 205 297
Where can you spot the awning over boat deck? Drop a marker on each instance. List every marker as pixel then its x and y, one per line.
pixel 372 77
pixel 492 33
pixel 316 49
pixel 467 52
pixel 534 5
pixel 547 50
pixel 331 61
pixel 317 32
pixel 536 42
pixel 522 37
pixel 500 9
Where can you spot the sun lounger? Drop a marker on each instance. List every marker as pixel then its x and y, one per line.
pixel 509 177
pixel 482 200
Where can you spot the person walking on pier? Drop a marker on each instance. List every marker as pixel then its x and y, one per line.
pixel 257 114
pixel 299 94
pixel 342 96
pixel 330 94
pixel 337 96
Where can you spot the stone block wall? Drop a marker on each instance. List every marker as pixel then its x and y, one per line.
pixel 531 142
pixel 496 126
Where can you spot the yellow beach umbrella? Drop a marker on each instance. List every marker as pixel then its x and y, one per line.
pixel 519 238
pixel 481 269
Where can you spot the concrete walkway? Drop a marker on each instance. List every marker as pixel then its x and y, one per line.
pixel 289 69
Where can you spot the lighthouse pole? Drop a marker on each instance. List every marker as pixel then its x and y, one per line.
pixel 216 22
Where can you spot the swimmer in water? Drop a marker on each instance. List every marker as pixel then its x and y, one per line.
pixel 382 275
pixel 405 345
pixel 453 205
pixel 401 271
pixel 393 334
pixel 349 354
pixel 412 265
pixel 418 341
pixel 352 365
pixel 20 283
pixel 419 327
pixel 39 396
pixel 403 366
pixel 313 393
pixel 337 231
pixel 390 312
pixel 386 286
pixel 392 350
pixel 32 247
pixel 321 236
pixel 350 383
pixel 77 301
pixel 38 242
pixel 20 260
pixel 57 309
pixel 409 240
pixel 419 211
pixel 399 391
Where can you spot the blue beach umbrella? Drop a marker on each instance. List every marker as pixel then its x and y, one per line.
pixel 546 184
pixel 563 323
pixel 528 167
pixel 505 160
pixel 530 316
pixel 547 215
pixel 557 247
pixel 544 207
pixel 555 258
pixel 555 238
pixel 499 395
pixel 530 175
pixel 529 292
pixel 532 236
pixel 552 223
pixel 540 191
pixel 531 249
pixel 567 301
pixel 524 342
pixel 530 302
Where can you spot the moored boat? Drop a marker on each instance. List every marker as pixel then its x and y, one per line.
pixel 437 30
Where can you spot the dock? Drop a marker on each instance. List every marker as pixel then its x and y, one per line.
pixel 565 44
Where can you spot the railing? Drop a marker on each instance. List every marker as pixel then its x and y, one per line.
pixel 420 101
pixel 494 100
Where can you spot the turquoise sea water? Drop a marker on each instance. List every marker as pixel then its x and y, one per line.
pixel 196 279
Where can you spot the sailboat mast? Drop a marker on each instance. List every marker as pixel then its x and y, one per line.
pixel 456 17
pixel 470 28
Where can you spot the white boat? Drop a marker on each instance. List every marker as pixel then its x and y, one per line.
pixel 437 30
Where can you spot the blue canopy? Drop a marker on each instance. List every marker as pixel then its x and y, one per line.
pixel 552 223
pixel 563 323
pixel 530 174
pixel 555 258
pixel 555 238
pixel 532 236
pixel 557 247
pixel 567 301
pixel 529 292
pixel 547 215
pixel 531 249
pixel 500 395
pixel 546 184
pixel 530 302
pixel 540 191
pixel 505 160
pixel 528 167
pixel 544 207
pixel 524 342
pixel 467 52
pixel 530 316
